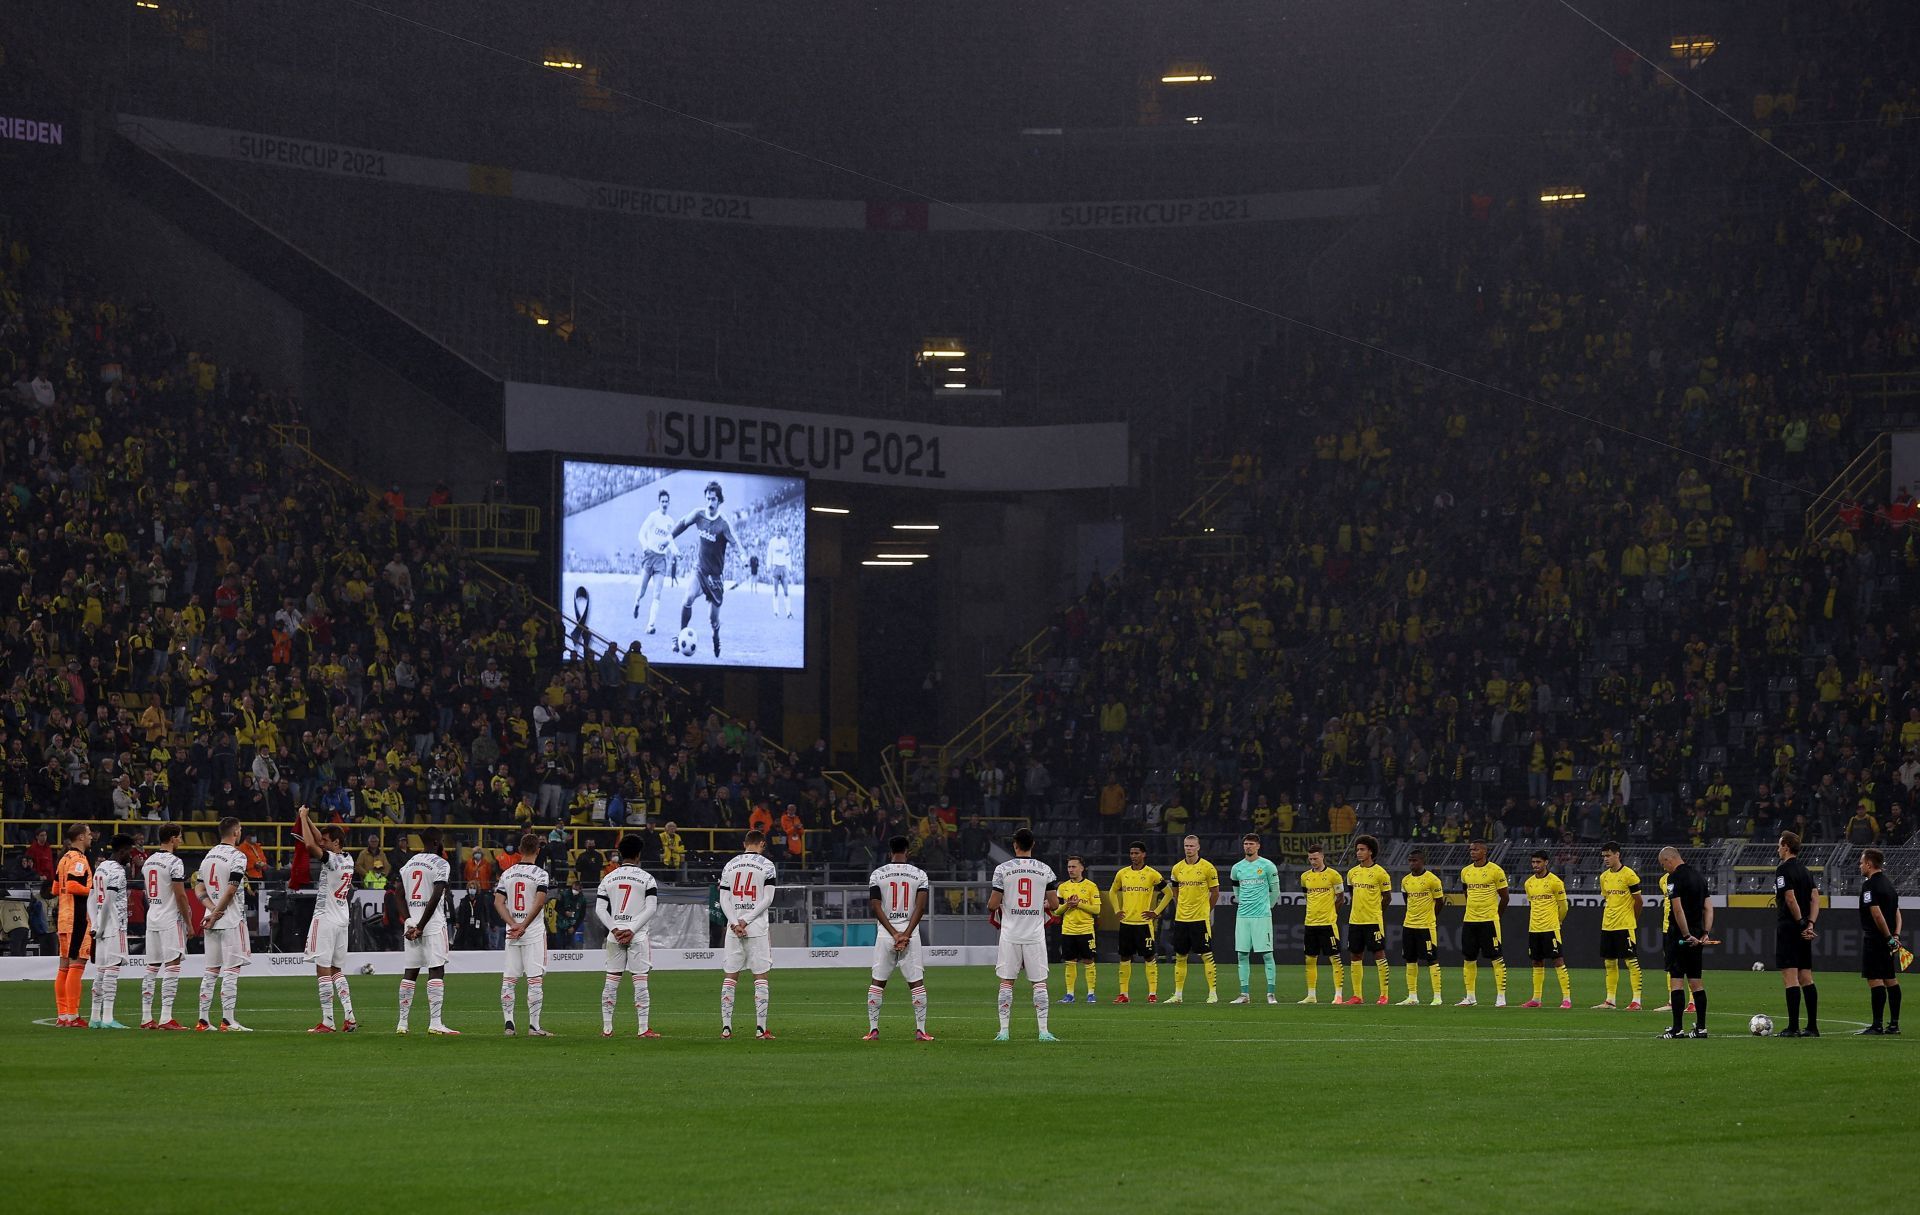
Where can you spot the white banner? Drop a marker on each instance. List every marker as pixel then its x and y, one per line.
pixel 168 136
pixel 542 417
pixel 487 961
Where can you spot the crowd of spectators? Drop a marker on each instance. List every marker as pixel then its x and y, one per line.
pixel 1569 591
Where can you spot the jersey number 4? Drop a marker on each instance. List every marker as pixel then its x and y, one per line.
pixel 745 889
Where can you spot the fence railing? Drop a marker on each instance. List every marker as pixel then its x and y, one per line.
pixel 1862 481
pixel 494 529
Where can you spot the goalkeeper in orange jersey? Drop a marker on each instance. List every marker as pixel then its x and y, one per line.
pixel 69 888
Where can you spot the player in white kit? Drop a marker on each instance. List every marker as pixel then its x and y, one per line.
pixel 164 878
pixel 423 884
pixel 897 894
pixel 520 899
pixel 780 572
pixel 223 883
pixel 625 902
pixel 107 920
pixel 332 917
pixel 746 895
pixel 656 542
pixel 1022 899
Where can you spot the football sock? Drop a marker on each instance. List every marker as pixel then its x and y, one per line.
pixel 1091 981
pixel 642 1002
pixel 230 992
pixel 1566 981
pixel 93 1006
pixel 761 998
pixel 1499 978
pixel 345 997
pixel 1810 996
pixel 146 993
pixel 1179 974
pixel 507 994
pixel 1313 976
pixel 1384 969
pixel 1678 999
pixel 436 1000
pixel 406 1001
pixel 1613 979
pixel 1267 964
pixel 1413 980
pixel 1040 1005
pixel 920 1009
pixel 1470 975
pixel 1633 977
pixel 326 1001
pixel 1700 1009
pixel 1539 981
pixel 1339 976
pixel 1153 978
pixel 609 993
pixel 653 611
pixel 1793 1008
pixel 1435 968
pixel 536 999
pixel 726 1003
pixel 1006 1004
pixel 1893 1004
pixel 111 977
pixel 686 614
pixel 1073 973
pixel 1879 1004
pixel 875 994
pixel 1213 974
pixel 1359 978
pixel 1126 976
pixel 207 983
pixel 1245 967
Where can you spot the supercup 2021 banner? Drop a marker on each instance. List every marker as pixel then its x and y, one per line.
pixel 698 567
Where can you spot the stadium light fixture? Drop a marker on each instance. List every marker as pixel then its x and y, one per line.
pixel 830 510
pixel 877 561
pixel 541 320
pixel 1187 78
pixel 1195 119
pixel 1694 49
pixel 1561 197
pixel 916 527
pixel 890 555
pixel 152 4
pixel 960 384
pixel 943 354
pixel 565 65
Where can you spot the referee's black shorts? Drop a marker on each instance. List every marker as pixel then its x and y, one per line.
pixel 1320 941
pixel 1877 961
pixel 1416 945
pixel 1791 951
pixel 1136 941
pixel 1191 937
pixel 1480 939
pixel 1683 960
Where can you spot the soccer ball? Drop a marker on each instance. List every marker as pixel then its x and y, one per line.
pixel 686 643
pixel 1759 966
pixel 1761 1026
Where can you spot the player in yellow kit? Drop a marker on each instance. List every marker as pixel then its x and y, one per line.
pixel 1546 912
pixel 1371 889
pixel 1079 904
pixel 1486 887
pixel 1323 887
pixel 1422 892
pixel 1619 925
pixel 1198 886
pixel 1132 896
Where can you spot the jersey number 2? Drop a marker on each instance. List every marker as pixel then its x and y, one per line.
pixel 418 877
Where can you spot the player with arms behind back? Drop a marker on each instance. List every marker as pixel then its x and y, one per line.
pixel 1619 924
pixel 746 895
pixel 1797 906
pixel 332 917
pixel 108 916
pixel 164 878
pixel 709 576
pixel 1880 929
pixel 656 541
pixel 1371 889
pixel 520 900
pixel 223 878
pixel 1546 913
pixel 423 884
pixel 897 895
pixel 1422 892
pixel 1486 887
pixel 1022 899
pixel 625 902
pixel 1132 895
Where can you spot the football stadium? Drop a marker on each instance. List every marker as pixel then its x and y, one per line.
pixel 959 606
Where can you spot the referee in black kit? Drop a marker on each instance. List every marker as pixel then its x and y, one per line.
pixel 1690 912
pixel 1796 900
pixel 1879 943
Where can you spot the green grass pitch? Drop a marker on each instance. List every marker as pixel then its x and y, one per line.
pixel 1137 1108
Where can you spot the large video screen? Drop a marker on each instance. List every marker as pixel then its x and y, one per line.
pixel 699 567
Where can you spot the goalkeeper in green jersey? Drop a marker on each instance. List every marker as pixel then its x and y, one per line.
pixel 1256 885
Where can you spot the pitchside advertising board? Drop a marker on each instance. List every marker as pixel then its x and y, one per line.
pixel 543 417
pixel 698 566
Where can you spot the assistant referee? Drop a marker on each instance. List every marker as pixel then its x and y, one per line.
pixel 1880 930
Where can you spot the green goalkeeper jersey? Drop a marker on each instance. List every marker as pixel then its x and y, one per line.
pixel 1256 884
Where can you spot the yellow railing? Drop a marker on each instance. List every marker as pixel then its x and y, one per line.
pixel 496 529
pixel 1864 480
pixel 1881 385
pixel 1198 514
